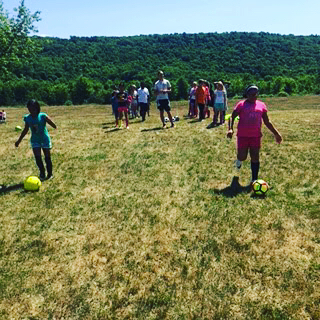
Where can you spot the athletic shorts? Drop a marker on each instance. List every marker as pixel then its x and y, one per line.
pixel 192 103
pixel 123 109
pixel 249 142
pixel 164 105
pixel 43 145
pixel 219 107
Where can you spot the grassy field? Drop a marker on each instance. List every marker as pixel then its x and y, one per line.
pixel 144 223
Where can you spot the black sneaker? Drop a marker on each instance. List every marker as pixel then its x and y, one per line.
pixel 42 177
pixel 49 177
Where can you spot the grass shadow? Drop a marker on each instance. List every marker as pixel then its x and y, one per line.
pixel 234 189
pixel 211 126
pixel 113 130
pixel 153 129
pixel 6 189
pixel 193 121
pixel 106 123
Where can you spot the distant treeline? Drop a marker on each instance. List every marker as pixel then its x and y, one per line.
pixel 85 70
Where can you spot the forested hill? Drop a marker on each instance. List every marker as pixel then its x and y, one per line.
pixel 190 55
pixel 237 56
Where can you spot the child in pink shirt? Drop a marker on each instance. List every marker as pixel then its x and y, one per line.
pixel 251 113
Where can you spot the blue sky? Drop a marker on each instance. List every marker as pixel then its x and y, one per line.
pixel 65 18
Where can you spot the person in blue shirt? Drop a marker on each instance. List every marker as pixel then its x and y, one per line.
pixel 40 139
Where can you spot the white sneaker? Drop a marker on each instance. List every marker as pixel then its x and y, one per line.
pixel 237 164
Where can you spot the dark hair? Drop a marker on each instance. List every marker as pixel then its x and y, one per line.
pixel 34 104
pixel 248 88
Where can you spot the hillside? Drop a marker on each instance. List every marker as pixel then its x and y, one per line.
pixel 278 62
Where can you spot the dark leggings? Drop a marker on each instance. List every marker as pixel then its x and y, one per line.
pixel 201 111
pixel 143 110
pixel 47 159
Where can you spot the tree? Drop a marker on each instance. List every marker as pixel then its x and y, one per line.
pixel 16 46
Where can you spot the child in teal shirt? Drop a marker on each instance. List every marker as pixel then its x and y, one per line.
pixel 40 138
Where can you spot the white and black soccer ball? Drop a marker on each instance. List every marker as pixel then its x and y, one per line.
pixel 166 119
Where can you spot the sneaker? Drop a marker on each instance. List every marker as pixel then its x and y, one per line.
pixel 42 177
pixel 164 126
pixel 49 177
pixel 237 164
pixel 127 127
pixel 172 125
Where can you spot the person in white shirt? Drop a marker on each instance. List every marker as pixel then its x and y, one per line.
pixel 143 100
pixel 219 103
pixel 161 88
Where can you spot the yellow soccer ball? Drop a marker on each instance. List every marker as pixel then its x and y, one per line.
pixel 260 187
pixel 32 183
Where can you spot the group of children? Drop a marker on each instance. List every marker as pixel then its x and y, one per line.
pixel 132 102
pixel 202 97
pixel 251 113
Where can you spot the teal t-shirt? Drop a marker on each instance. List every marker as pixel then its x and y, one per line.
pixel 39 131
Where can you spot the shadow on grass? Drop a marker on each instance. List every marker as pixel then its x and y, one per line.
pixel 194 121
pixel 233 190
pixel 211 125
pixel 106 123
pixel 113 130
pixel 6 189
pixel 153 129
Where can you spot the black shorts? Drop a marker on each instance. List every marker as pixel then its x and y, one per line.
pixel 164 105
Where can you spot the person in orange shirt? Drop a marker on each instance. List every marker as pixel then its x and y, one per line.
pixel 201 99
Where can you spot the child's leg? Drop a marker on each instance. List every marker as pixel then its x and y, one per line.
pixel 221 117
pixel 242 154
pixel 120 118
pixel 162 117
pixel 170 118
pixel 127 121
pixel 116 116
pixel 37 155
pixel 215 117
pixel 255 163
pixel 47 158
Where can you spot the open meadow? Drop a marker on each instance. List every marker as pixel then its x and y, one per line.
pixel 151 223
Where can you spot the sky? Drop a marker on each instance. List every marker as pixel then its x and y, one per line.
pixel 65 18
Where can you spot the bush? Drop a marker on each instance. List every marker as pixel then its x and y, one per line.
pixel 68 103
pixel 283 94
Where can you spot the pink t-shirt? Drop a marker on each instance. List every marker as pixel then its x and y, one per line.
pixel 250 118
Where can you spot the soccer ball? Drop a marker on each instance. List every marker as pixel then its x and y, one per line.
pixel 176 118
pixel 260 187
pixel 32 183
pixel 18 128
pixel 166 119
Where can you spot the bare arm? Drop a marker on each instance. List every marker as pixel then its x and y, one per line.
pixel 52 124
pixel 271 127
pixel 22 135
pixel 230 124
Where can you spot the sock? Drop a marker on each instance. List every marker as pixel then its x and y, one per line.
pixel 49 166
pixel 40 166
pixel 127 122
pixel 255 170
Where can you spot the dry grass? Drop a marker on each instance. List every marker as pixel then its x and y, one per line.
pixel 143 224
